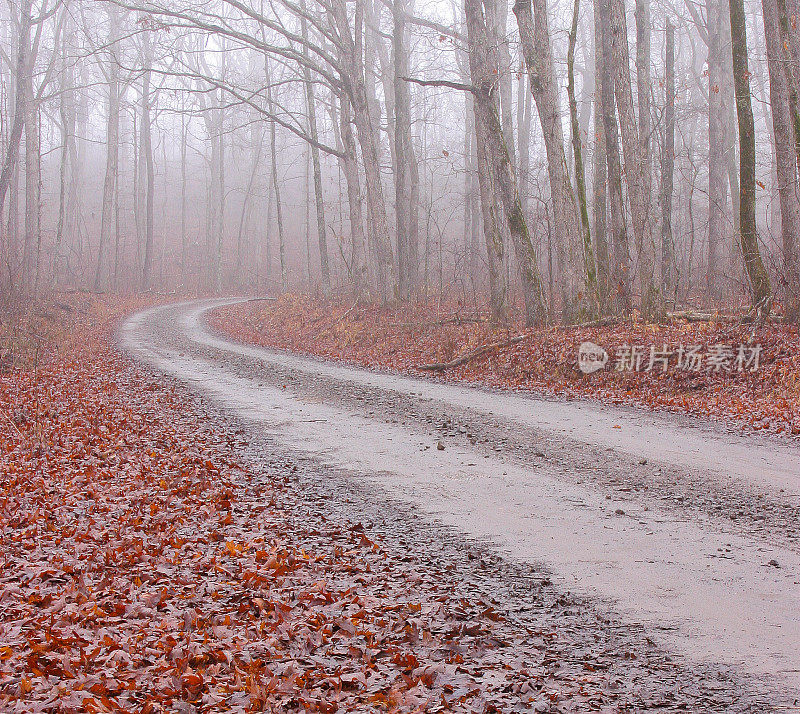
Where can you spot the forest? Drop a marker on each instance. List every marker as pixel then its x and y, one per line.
pixel 399 356
pixel 575 161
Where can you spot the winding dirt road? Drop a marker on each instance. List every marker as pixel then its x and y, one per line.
pixel 679 529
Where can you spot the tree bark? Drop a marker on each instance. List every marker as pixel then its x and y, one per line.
pixel 146 147
pixel 353 80
pixel 536 49
pixel 642 19
pixel 484 68
pixel 63 111
pixel 483 211
pixel 788 15
pixel 717 165
pixel 619 235
pixel 220 228
pixel 600 176
pixel 500 29
pixel 635 164
pixel 524 133
pixel 580 178
pixel 785 156
pixel 275 183
pixel 184 246
pixel 33 159
pixel 350 170
pixel 643 88
pixel 21 80
pixel 756 273
pixel 667 167
pixel 112 148
pixel 406 272
pixel 319 203
pixel 244 214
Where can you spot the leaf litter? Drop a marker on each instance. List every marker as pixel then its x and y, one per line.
pixel 144 566
pixel 404 337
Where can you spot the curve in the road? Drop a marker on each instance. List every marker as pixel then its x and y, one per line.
pixel 700 588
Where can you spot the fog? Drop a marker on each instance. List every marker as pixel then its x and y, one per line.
pixel 394 149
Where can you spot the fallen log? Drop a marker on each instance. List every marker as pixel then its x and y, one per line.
pixel 438 323
pixel 471 355
pixel 692 316
pixel 759 316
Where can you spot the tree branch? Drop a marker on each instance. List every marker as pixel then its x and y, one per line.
pixel 441 83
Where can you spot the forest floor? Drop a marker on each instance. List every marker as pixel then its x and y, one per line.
pixel 145 567
pixel 159 553
pixel 403 338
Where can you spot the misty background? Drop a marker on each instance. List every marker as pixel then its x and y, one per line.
pixel 350 145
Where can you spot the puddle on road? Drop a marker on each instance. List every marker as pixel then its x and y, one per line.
pixel 707 593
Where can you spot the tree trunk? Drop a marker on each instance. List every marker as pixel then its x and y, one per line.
pixel 402 151
pixel 729 114
pixel 32 183
pixel 376 206
pixel 276 183
pixel 600 176
pixel 112 149
pixel 717 165
pixel 580 177
pixel 255 150
pixel 785 156
pixel 117 234
pixel 146 147
pixel 268 222
pixel 524 133
pixel 643 88
pixel 484 215
pixel 184 247
pixel 20 83
pixel 788 14
pixel 220 228
pixel 500 30
pixel 484 69
pixel 413 212
pixel 642 18
pixel 635 164
pixel 317 168
pixel 756 273
pixel 537 51
pixel 62 179
pixel 350 170
pixel 353 80
pixel 667 168
pixel 619 235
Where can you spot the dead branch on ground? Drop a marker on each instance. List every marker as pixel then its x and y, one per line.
pixel 471 355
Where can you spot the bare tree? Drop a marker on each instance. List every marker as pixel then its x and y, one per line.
pixel 580 178
pixel 667 167
pixel 112 143
pixel 535 37
pixel 319 203
pixel 785 157
pixel 635 162
pixel 484 67
pixel 756 273
pixel 146 148
pixel 619 233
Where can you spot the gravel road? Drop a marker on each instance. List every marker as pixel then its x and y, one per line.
pixel 668 545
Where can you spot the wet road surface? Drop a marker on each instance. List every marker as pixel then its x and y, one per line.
pixel 689 535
